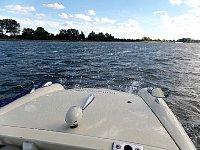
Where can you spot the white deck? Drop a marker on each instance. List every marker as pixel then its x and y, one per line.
pixel 40 118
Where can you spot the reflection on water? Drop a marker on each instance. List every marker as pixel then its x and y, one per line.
pixel 120 66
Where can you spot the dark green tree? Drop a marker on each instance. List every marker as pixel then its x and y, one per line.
pixel 1 26
pixel 10 26
pixel 82 36
pixel 41 34
pixel 109 37
pixel 185 40
pixel 51 36
pixel 63 31
pixel 146 39
pixel 100 37
pixel 62 35
pixel 28 33
pixel 73 34
pixel 91 36
pixel 70 34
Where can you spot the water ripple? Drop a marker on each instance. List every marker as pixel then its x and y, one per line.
pixel 120 66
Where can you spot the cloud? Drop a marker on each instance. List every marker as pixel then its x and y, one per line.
pixel 63 15
pixel 105 20
pixel 38 23
pixel 133 23
pixel 158 12
pixel 50 26
pixel 54 6
pixel 77 16
pixel 41 15
pixel 192 3
pixel 130 24
pixel 185 25
pixel 129 29
pixel 20 9
pixel 194 6
pixel 69 25
pixel 176 2
pixel 91 12
pixel 70 15
pixel 82 17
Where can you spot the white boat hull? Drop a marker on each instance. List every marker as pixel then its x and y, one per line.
pixel 112 117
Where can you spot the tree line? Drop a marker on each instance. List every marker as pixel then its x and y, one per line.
pixel 10 28
pixel 188 40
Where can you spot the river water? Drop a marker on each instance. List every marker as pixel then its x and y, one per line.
pixel 119 66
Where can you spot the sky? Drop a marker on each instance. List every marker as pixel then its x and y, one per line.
pixel 157 19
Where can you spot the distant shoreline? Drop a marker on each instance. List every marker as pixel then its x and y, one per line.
pixel 180 41
pixel 115 40
pixel 81 41
pixel 58 40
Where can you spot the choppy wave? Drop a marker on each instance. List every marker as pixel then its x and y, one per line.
pixel 120 66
